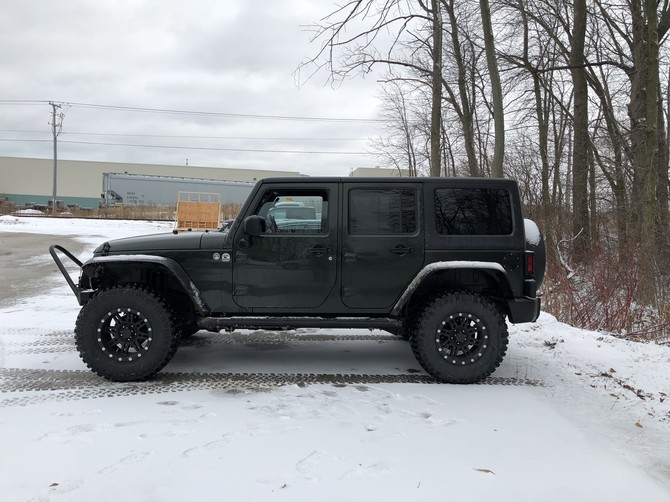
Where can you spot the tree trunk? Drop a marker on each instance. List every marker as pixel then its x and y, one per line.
pixel 496 91
pixel 466 114
pixel 649 156
pixel 662 186
pixel 580 203
pixel 436 106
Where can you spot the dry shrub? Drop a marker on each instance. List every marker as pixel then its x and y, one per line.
pixel 158 212
pixel 6 206
pixel 140 212
pixel 600 296
pixel 230 210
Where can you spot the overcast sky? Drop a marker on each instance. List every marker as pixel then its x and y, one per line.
pixel 219 56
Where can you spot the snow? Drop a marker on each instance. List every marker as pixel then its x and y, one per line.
pixel 28 212
pixel 595 428
pixel 532 231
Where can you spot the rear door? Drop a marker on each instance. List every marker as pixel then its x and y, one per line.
pixel 383 245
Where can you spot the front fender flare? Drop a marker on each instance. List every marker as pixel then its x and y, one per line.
pixel 169 264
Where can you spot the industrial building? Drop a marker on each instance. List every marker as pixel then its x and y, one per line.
pixel 26 181
pixel 142 189
pixel 29 181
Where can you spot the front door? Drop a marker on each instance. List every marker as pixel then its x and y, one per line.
pixel 292 263
pixel 383 242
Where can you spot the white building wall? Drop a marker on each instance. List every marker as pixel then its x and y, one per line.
pixel 83 179
pixel 375 172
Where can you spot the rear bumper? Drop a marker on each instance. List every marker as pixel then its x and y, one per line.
pixel 524 310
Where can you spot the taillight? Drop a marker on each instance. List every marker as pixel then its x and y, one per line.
pixel 530 263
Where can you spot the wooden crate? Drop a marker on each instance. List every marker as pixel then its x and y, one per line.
pixel 198 211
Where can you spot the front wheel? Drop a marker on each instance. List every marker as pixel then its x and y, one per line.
pixel 188 330
pixel 460 338
pixel 126 334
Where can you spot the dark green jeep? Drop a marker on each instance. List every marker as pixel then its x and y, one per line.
pixel 439 261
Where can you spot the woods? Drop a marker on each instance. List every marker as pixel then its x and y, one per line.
pixel 568 97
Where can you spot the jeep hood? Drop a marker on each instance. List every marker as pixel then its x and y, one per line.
pixel 151 243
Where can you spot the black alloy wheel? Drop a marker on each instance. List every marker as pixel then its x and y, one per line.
pixel 126 333
pixel 460 337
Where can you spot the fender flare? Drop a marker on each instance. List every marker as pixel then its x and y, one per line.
pixel 169 264
pixel 492 268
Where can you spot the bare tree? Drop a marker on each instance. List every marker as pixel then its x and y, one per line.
pixel 637 28
pixel 372 22
pixel 436 86
pixel 580 147
pixel 399 146
pixel 461 98
pixel 496 90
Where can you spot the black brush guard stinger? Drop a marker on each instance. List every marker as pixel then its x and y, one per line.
pixel 82 294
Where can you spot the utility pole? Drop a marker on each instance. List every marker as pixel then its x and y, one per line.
pixel 56 127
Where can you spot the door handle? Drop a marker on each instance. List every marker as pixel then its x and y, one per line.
pixel 319 250
pixel 401 250
pixel 350 257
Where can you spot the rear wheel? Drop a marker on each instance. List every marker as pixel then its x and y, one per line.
pixel 126 334
pixel 460 338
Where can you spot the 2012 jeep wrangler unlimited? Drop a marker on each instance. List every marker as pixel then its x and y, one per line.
pixel 439 261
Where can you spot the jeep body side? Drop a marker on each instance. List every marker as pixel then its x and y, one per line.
pixel 397 254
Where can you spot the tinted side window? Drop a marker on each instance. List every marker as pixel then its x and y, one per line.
pixel 382 211
pixel 473 211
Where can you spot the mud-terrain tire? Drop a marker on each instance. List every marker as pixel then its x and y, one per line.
pixel 188 330
pixel 459 338
pixel 126 334
pixel 405 329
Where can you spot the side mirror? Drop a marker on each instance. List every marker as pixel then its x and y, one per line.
pixel 254 225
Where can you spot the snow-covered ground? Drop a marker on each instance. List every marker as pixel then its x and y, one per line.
pixel 586 417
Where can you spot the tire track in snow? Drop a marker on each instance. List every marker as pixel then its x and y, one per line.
pixel 31 341
pixel 66 337
pixel 33 386
pixel 63 341
pixel 41 386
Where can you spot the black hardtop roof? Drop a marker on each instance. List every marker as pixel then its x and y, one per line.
pixel 388 179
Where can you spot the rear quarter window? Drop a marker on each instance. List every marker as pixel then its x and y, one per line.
pixel 473 211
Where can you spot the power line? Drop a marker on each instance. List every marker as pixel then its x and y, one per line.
pixel 139 109
pixel 183 136
pixel 23 102
pixel 215 114
pixel 58 104
pixel 26 140
pixel 175 147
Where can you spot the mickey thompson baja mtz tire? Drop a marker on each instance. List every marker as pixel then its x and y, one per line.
pixel 459 338
pixel 126 334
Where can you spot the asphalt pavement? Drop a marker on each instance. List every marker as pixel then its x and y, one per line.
pixel 26 267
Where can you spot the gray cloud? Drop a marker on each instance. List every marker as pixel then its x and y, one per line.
pixel 224 56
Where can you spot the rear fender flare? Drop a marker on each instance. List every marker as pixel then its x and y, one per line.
pixel 496 270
